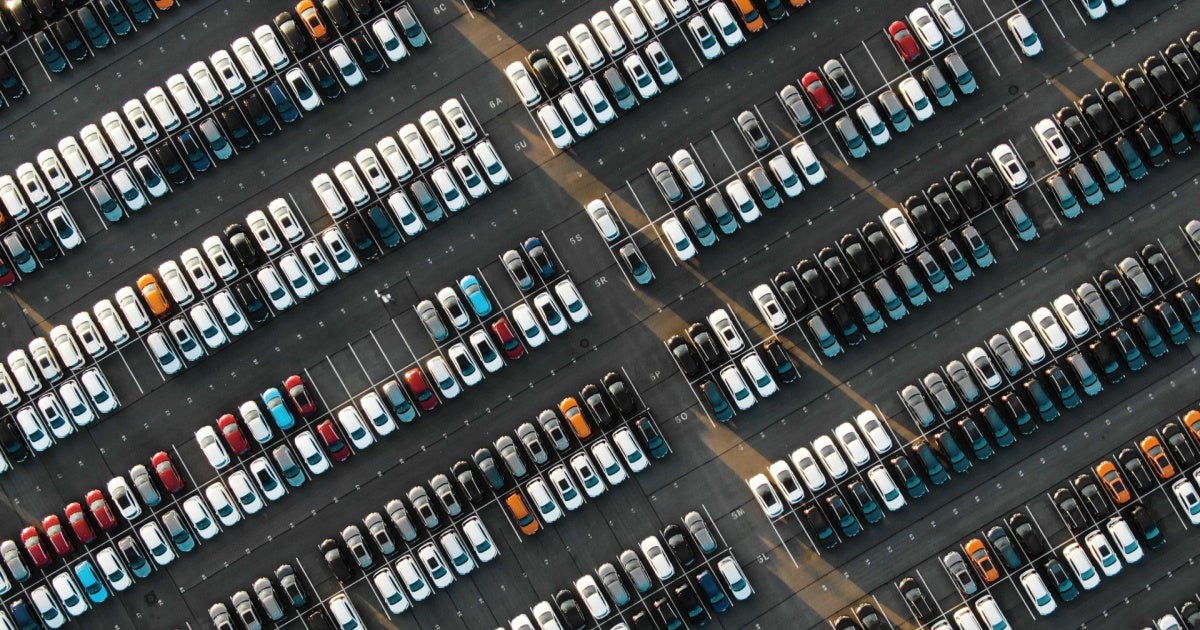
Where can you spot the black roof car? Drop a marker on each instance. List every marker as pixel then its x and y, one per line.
pixel 1097 116
pixel 1119 103
pixel 544 70
pixel 1074 129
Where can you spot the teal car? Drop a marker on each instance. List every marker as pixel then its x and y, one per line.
pixel 913 288
pixel 933 272
pixel 721 409
pixel 1021 222
pixel 1129 155
pixel 1087 184
pixel 1067 203
pixel 1000 432
pixel 892 304
pixel 980 447
pixel 90 581
pixel 825 339
pixel 870 315
pixel 851 137
pixel 273 401
pixel 470 287
pixel 1128 349
pixel 1041 400
pixel 1174 325
pixel 953 453
pixel 979 247
pixel 933 466
pixel 1108 171
pixel 958 263
pixel 1063 387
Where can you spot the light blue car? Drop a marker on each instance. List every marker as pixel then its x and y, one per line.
pixel 470 287
pixel 276 406
pixel 90 581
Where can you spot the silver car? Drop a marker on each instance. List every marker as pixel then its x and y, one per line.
pixel 432 320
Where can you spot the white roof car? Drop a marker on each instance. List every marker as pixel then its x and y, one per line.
pixel 176 284
pixel 565 487
pixel 876 129
pixel 311 452
pixel 128 190
pixel 96 146
pixel 1124 539
pixel 803 461
pixel 406 215
pixel 346 65
pixel 786 482
pixel 949 17
pixel 156 543
pixel 663 66
pixel 415 145
pixel 768 305
pixel 480 539
pixel 734 578
pixel 163 353
pixel 965 619
pixel 900 230
pixel 830 457
pixel 576 115
pixel 162 109
pixel 852 443
pixel 296 277
pixel 604 220
pixel 807 161
pixel 1027 342
pixel 990 613
pixel 448 189
pixel 527 324
pixel 33 430
pixel 1097 9
pixel 1071 316
pixel 1102 552
pixel 22 371
pixel 264 232
pixel 389 588
pixel 606 29
pixel 65 346
pixel 436 131
pixel 243 491
pixel 72 154
pixel 572 301
pixel 351 183
pixel 885 486
pixel 872 428
pixel 1009 165
pixel 98 390
pixel 252 417
pixel 182 93
pixel 443 378
pixel 389 39
pixel 543 502
pixel 688 170
pixel 743 203
pixel 678 239
pixel 1051 139
pixel 553 123
pixel 339 249
pixel 200 517
pixel 75 401
pixel 722 18
pixel 765 494
pixel 270 46
pixel 785 175
pixel 633 455
pixel 607 461
pixel 1022 31
pixel 592 597
pixel 44 360
pixel 914 96
pixel 205 83
pixel 758 374
pixel 369 164
pixel 1048 328
pixel 629 21
pixel 1081 566
pixel 593 485
pixel 69 594
pixel 654 13
pixel 637 72
pixel 230 313
pixel 206 324
pixel 54 171
pixel 327 192
pixel 248 58
pixel 926 29
pixel 1189 501
pixel 489 160
pixel 218 256
pixel 412 578
pixel 114 570
pixel 1039 595
pixel 355 428
pixel 736 385
pixel 522 83
pixel 656 556
pixel 704 37
pixel 564 57
pixel 585 44
pixel 197 270
pixel 727 333
pixel 285 218
pixel 230 76
pixel 139 118
pixel 9 394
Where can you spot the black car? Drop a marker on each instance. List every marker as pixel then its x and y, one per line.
pixel 1179 444
pixel 1016 409
pixel 814 281
pixel 382 226
pixel 989 182
pixel 922 217
pixel 845 323
pixel 1189 308
pixel 790 293
pixel 1183 65
pixel 1173 132
pixel 170 164
pixel 260 117
pixel 245 249
pixel 72 42
pixel 1139 90
pixel 880 243
pixel 1160 77
pixel 323 78
pixel 702 338
pixel 1068 507
pixel 685 356
pixel 1147 526
pixel 597 406
pixel 13 447
pixel 666 613
pixel 916 598
pixel 360 239
pixel 252 303
pixel 868 616
pixel 1028 537
pixel 835 267
pixel 781 362
pixel 1097 116
pixel 1091 496
pixel 336 560
pixel 1106 359
pixel 904 472
pixel 367 53
pixel 966 191
pixel 294 35
pixel 1136 470
pixel 1116 292
pixel 679 544
pixel 20 15
pixel 40 239
pixel 620 393
pixel 1151 144
pixel 943 204
pixel 1189 113
pixel 10 82
pixel 1074 129
pixel 1004 547
pixel 544 70
pixel 1160 268
pixel 464 474
pixel 856 251
pixel 90 24
pixel 1189 611
pixel 1119 103
pixel 818 526
pixel 337 13
pixel 236 127
pixel 1193 42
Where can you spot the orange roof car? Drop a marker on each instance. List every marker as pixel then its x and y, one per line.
pixel 312 21
pixel 1107 472
pixel 1153 450
pixel 579 425
pixel 981 560
pixel 154 296
pixel 798 3
pixel 525 519
pixel 163 5
pixel 1191 420
pixel 750 15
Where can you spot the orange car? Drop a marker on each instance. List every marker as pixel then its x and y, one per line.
pixel 525 519
pixel 163 5
pixel 312 21
pixel 1191 420
pixel 750 15
pixel 579 425
pixel 1153 450
pixel 798 3
pixel 1107 472
pixel 154 296
pixel 982 561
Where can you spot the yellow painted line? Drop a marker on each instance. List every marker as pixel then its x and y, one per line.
pixel 39 321
pixel 865 184
pixel 1066 91
pixel 1094 67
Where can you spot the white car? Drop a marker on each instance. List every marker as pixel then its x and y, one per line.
pixel 680 243
pixel 369 164
pixel 543 503
pixel 490 161
pixel 1027 343
pixel 230 76
pixel 65 346
pixel 568 295
pixel 652 550
pixel 786 482
pixel 39 440
pixel 564 57
pixel 807 161
pixel 296 277
pixel 914 96
pixel 549 313
pixel 32 184
pixel 114 570
pixel 872 427
pixel 990 612
pixel 339 249
pixel 1022 31
pixel 346 66
pixel 176 284
pixel 53 415
pixel 637 72
pixel 127 190
pixel 412 578
pixel 630 22
pixel 803 461
pixel 330 198
pixel 123 497
pixel 886 487
pixel 230 313
pixel 243 492
pixel 464 364
pixel 728 27
pixel 254 420
pixel 266 479
pixel 926 29
pixel 593 485
pixel 654 13
pixel 75 402
pixel 522 83
pixel 184 340
pixel 206 324
pixel 633 455
pixel 69 594
pixel 900 230
pixel 355 428
pixel 210 445
pixel 197 270
pixel 1081 566
pixel 206 83
pixel 431 123
pixel 96 146
pixel 765 495
pixel 726 331
pixel 469 176
pixel 448 189
pixel 150 176
pixel 785 176
pixel 704 37
pixel 1097 545
pixel 593 598
pixel 263 232
pixel 222 503
pixel 565 487
pixel 200 517
pixel 743 398
pixel 768 306
pixel 1048 328
pixel 1124 539
pixel 314 257
pixel 218 256
pixel 163 353
pixel 553 123
pixel 606 29
pixel 410 136
pixel 386 585
pixel 852 443
pixel 311 452
pixel 285 218
pixel 9 394
pixel 876 129
pixel 269 44
pixel 663 66
pixel 111 322
pixel 1071 316
pixel 1039 595
pixel 758 374
pixel 830 457
pixel 439 372
pixel 98 390
pixel 614 473
pixel 733 575
pixel 434 565
pixel 982 366
pixel 351 184
pixel 1009 165
pixel 184 98
pixel 139 118
pixel 22 371
pixel 248 58
pixel 688 170
pixel 54 171
pixel 581 123
pixel 302 88
pixel 44 360
pixel 1051 139
pixel 1189 501
pixel 156 543
pixel 527 324
pixel 603 219
pixel 949 17
pixel 1096 9
pixel 162 109
pixel 72 154
pixel 585 44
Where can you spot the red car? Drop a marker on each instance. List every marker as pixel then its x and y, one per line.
pixel 79 524
pixel 817 91
pixel 333 442
pixel 298 392
pixel 232 433
pixel 420 390
pixel 166 472
pixel 59 539
pixel 904 42
pixel 7 275
pixel 32 542
pixel 508 341
pixel 100 510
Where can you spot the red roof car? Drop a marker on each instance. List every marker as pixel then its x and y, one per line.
pixel 904 42
pixel 32 542
pixel 59 539
pixel 79 523
pixel 233 434
pixel 166 472
pixel 298 392
pixel 508 341
pixel 7 275
pixel 817 91
pixel 333 442
pixel 419 388
pixel 101 510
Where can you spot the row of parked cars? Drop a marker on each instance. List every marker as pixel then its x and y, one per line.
pixel 59 40
pixel 599 596
pixel 1143 116
pixel 1187 613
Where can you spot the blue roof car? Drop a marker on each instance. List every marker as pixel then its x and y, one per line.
pixel 90 581
pixel 282 416
pixel 471 288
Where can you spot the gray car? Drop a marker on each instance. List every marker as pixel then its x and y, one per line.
pixel 953 562
pixel 265 592
pixel 666 182
pixel 611 581
pixel 636 264
pixel 398 515
pixel 635 570
pixel 550 423
pixel 19 253
pixel 753 130
pixel 936 386
pixel 836 74
pixel 419 499
pixel 961 73
pixel 764 187
pixel 429 205
pixel 1007 355
pixel 1089 296
pixel 851 137
pixel 432 320
pixel 532 442
pixel 721 213
pixel 917 405
pixel 507 448
pixel 445 495
pixel 140 479
pixel 243 607
pixel 357 546
pixel 400 403
pixel 487 465
pixel 378 531
pixel 288 466
pixel 700 533
pixel 938 85
pixel 700 226
pixel 1136 276
pixel 517 269
pixel 962 380
pixel 795 105
pixel 894 110
pixel 218 613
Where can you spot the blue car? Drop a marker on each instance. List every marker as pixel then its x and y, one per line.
pixel 90 581
pixel 141 10
pixel 276 406
pixel 282 102
pixel 115 17
pixel 717 401
pixel 471 288
pixel 49 52
pixel 713 593
pixel 537 253
pixel 194 152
